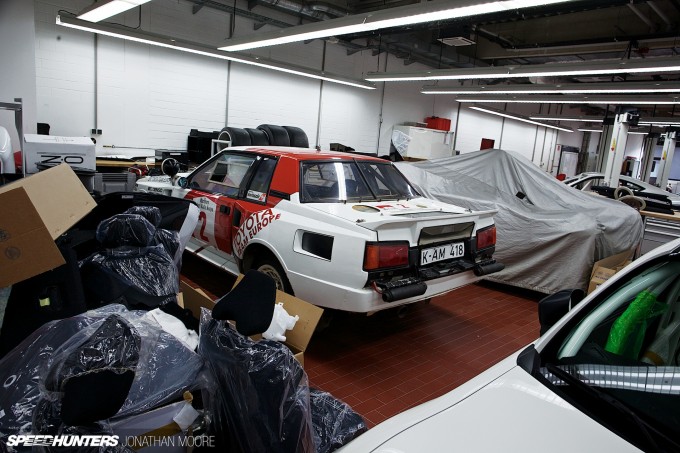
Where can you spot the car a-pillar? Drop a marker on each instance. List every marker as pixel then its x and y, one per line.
pixel 260 258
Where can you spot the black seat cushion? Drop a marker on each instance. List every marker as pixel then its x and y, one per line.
pixel 250 304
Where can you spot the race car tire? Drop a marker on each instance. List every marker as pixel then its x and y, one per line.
pixel 236 135
pixel 258 137
pixel 277 135
pixel 270 266
pixel 298 137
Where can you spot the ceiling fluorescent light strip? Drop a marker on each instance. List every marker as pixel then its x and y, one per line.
pixel 566 99
pixel 567 88
pixel 159 41
pixel 418 13
pixel 104 9
pixel 637 66
pixel 584 119
pixel 519 118
pixel 659 121
pixel 584 129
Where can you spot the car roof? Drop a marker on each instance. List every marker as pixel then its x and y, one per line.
pixel 592 174
pixel 304 153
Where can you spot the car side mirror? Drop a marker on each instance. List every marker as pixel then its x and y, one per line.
pixel 183 182
pixel 553 307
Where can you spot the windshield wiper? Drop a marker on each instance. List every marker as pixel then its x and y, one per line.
pixel 645 428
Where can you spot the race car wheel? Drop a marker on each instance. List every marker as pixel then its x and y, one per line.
pixel 271 267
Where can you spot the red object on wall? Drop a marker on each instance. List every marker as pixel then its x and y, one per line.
pixel 487 143
pixel 442 124
pixel 18 161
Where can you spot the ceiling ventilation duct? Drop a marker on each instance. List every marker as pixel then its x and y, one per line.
pixel 456 41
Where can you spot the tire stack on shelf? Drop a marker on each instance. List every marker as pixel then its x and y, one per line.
pixel 265 135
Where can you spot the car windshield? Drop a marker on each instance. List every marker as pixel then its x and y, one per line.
pixel 332 181
pixel 621 362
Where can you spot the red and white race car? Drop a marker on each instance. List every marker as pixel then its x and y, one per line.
pixel 342 231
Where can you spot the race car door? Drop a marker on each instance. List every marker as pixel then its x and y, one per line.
pixel 215 187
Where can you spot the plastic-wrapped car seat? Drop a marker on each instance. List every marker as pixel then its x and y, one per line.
pixel 261 401
pixel 167 238
pixel 109 340
pixel 335 423
pixel 131 270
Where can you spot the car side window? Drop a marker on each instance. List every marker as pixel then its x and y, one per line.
pixel 259 186
pixel 224 175
pixel 627 348
pixel 635 324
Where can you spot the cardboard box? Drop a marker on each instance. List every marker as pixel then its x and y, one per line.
pixel 34 212
pixel 142 432
pixel 297 339
pixel 605 268
pixel 78 152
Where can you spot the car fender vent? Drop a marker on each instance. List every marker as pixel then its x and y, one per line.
pixel 317 244
pixel 445 233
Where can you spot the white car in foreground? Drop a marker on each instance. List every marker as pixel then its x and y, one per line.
pixel 341 231
pixel 604 378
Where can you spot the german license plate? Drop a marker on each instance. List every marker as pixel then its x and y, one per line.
pixel 442 252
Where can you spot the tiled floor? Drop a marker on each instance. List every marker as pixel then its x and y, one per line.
pixel 386 363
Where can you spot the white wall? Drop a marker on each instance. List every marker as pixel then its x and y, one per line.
pixel 349 116
pixel 17 76
pixel 148 97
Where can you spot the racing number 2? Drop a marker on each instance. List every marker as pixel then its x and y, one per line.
pixel 203 218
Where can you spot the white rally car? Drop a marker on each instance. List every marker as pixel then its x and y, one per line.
pixel 339 230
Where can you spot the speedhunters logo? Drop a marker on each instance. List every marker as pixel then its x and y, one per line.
pixel 34 440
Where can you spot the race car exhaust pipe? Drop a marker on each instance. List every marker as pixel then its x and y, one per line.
pixel 486 269
pixel 404 292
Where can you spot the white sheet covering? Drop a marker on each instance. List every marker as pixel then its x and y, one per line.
pixel 550 239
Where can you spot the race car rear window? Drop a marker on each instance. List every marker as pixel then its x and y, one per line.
pixel 341 181
pixel 333 181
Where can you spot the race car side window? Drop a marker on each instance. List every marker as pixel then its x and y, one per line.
pixel 224 175
pixel 259 185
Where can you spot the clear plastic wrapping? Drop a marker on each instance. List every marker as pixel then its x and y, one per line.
pixel 131 270
pixel 109 338
pixel 167 238
pixel 261 398
pixel 335 423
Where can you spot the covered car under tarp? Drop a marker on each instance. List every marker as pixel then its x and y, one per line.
pixel 549 235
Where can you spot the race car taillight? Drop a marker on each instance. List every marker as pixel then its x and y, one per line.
pixel 383 255
pixel 486 237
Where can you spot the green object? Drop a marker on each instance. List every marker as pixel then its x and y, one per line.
pixel 44 302
pixel 628 331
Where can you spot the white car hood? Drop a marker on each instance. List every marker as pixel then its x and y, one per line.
pixel 511 413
